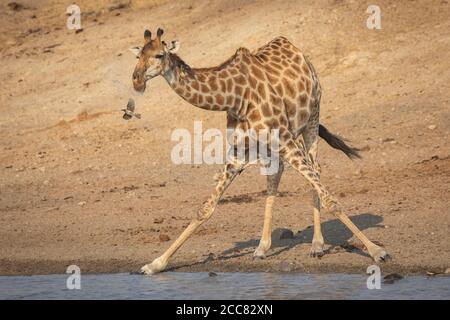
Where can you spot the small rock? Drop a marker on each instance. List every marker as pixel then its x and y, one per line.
pixel 387 140
pixel 282 233
pixel 82 203
pixel 158 220
pixel 447 271
pixel 163 237
pixel 432 127
pixel 365 148
pixel 391 278
pixel 285 266
pixel 14 6
pixel 212 274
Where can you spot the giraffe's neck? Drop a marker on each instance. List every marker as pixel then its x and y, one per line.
pixel 202 88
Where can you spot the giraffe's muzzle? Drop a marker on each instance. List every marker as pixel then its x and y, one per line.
pixel 139 81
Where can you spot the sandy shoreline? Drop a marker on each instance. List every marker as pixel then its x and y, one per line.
pixel 31 267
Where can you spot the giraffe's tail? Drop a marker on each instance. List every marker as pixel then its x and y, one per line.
pixel 338 143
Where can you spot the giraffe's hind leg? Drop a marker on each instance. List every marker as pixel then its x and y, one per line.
pixel 266 238
pixel 311 139
pixel 297 157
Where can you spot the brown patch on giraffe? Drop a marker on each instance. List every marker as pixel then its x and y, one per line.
pixel 201 77
pixel 291 108
pixel 302 116
pixel 262 57
pixel 272 70
pixel 219 99
pixel 200 99
pixel 229 85
pixel 303 100
pixel 213 84
pixel 279 89
pixel 289 88
pixel 283 120
pixel 179 91
pixel 209 99
pixel 252 82
pixel 265 109
pixel 301 86
pixel 276 59
pixel 276 111
pixel 276 66
pixel 290 74
pixel 238 90
pixel 194 98
pixel 223 74
pixel 204 88
pixel 296 68
pixel 195 85
pixel 229 100
pixel 237 102
pixel 243 68
pixel 240 79
pixel 272 123
pixel 261 91
pixel 285 63
pixel 223 85
pixel 305 69
pixel 255 97
pixel 246 59
pixel 286 52
pixel 258 73
pixel 308 85
pixel 274 100
pixel 273 80
pixel 233 71
pixel 254 116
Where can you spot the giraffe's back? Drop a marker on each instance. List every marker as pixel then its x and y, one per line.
pixel 284 79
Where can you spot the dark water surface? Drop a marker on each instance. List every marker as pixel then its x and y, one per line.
pixel 182 285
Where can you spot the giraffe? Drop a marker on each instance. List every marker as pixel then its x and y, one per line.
pixel 273 87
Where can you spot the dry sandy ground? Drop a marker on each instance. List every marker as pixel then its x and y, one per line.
pixel 79 185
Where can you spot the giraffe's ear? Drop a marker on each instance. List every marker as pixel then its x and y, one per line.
pixel 159 33
pixel 136 51
pixel 147 36
pixel 174 46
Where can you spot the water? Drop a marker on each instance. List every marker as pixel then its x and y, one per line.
pixel 181 285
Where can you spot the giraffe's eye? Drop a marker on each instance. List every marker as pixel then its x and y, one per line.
pixel 159 56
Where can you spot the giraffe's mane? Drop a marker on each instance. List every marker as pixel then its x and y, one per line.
pixel 192 71
pixel 219 67
pixel 178 62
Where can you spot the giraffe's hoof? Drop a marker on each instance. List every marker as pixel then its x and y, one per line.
pixel 259 257
pixel 317 249
pixel 380 255
pixel 259 254
pixel 155 267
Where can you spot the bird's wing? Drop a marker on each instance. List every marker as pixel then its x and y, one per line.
pixel 130 105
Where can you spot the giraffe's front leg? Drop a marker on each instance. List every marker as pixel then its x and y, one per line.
pixel 224 180
pixel 272 188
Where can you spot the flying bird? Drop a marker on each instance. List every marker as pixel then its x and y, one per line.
pixel 129 111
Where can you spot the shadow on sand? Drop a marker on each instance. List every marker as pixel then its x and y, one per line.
pixel 335 233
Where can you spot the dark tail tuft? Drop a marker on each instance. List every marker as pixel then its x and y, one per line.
pixel 338 143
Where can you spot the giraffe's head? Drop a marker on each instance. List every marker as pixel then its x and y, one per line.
pixel 153 59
